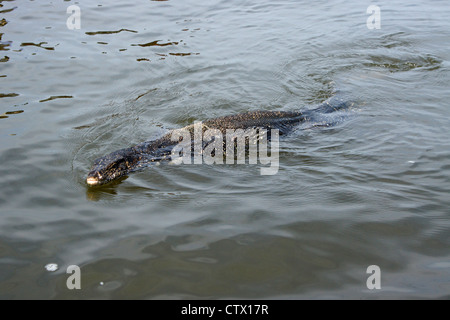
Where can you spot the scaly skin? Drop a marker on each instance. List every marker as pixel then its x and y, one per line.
pixel 124 161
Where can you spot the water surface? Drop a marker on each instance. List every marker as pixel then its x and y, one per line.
pixel 372 189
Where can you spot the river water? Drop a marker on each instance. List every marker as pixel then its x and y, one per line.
pixel 372 189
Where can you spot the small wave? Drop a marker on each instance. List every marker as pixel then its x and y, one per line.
pixel 56 97
pixel 93 33
pixel 393 64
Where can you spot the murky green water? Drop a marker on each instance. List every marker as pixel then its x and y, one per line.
pixel 371 190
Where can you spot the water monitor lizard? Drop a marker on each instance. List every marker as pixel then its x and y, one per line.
pixel 124 161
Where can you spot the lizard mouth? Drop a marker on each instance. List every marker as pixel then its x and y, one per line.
pixel 92 181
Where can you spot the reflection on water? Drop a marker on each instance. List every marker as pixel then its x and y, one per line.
pixel 96 193
pixel 39 45
pixel 109 32
pixel 56 97
pixel 155 43
pixel 372 189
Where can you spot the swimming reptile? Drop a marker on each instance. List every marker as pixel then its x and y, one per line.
pixel 124 161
